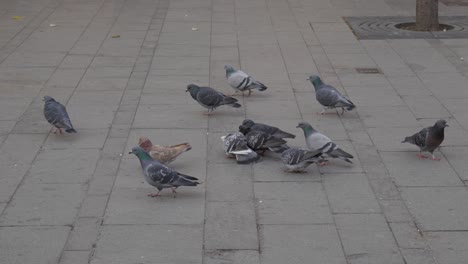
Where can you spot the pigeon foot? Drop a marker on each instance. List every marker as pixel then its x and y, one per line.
pixel 421 156
pixel 435 158
pixel 323 163
pixel 154 194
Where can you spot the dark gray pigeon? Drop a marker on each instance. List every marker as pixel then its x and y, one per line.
pixel 261 141
pixel 241 81
pixel 329 97
pixel 249 125
pixel 161 176
pixel 210 98
pixel 428 139
pixel 297 159
pixel 318 141
pixel 56 114
pixel 235 145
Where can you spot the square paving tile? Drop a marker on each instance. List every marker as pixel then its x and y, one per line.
pixel 438 208
pixel 149 244
pixel 449 247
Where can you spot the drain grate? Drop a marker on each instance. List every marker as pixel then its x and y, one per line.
pixel 385 28
pixel 455 2
pixel 368 70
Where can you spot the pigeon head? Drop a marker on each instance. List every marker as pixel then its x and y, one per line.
pixel 229 69
pixel 441 124
pixel 193 90
pixel 145 143
pixel 315 80
pixel 244 129
pixel 248 123
pixel 308 129
pixel 140 153
pixel 48 99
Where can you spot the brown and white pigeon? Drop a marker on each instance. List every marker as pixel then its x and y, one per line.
pixel 428 139
pixel 163 154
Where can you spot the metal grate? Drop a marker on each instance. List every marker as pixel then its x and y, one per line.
pixel 368 70
pixel 385 28
pixel 454 2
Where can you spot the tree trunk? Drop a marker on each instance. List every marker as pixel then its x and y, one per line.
pixel 427 15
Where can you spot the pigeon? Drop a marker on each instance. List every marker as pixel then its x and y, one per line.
pixel 210 98
pixel 235 145
pixel 329 97
pixel 428 139
pixel 56 114
pixel 318 141
pixel 163 154
pixel 298 159
pixel 161 176
pixel 241 81
pixel 261 141
pixel 249 125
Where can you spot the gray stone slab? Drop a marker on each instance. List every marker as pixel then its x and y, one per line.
pixel 65 78
pixel 84 98
pixel 395 211
pixel 128 244
pixel 175 116
pixel 449 247
pixel 350 193
pixel 455 156
pixel 43 204
pixel 291 203
pixel 306 244
pixel 64 165
pixel 75 257
pixel 418 256
pixel 438 208
pixel 84 234
pixel 263 109
pixel 385 189
pixel 133 206
pixel 76 61
pixel 91 116
pixel 407 235
pixel 426 107
pixel 229 182
pixel 409 170
pixel 366 238
pixel 230 225
pixel 389 138
pixel 85 139
pixel 232 257
pixel 93 206
pixel 42 245
pixel 385 116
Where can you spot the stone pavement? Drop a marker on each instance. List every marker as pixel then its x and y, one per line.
pixel 82 199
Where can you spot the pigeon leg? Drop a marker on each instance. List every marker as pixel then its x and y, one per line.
pixel 233 93
pixel 207 113
pixel 342 110
pixel 323 111
pixel 250 92
pixel 61 131
pixel 154 194
pixel 435 158
pixel 323 163
pixel 174 191
pixel 54 130
pixel 421 156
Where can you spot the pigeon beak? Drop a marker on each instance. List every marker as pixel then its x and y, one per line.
pixel 130 152
pixel 298 126
pixel 446 125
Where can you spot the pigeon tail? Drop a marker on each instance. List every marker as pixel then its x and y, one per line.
pixel 249 158
pixel 261 86
pixel 279 149
pixel 70 130
pixel 231 102
pixel 186 180
pixel 282 134
pixel 351 107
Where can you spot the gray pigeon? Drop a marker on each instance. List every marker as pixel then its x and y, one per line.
pixel 329 97
pixel 161 176
pixel 297 159
pixel 261 141
pixel 318 141
pixel 210 98
pixel 235 145
pixel 241 81
pixel 56 114
pixel 249 125
pixel 428 139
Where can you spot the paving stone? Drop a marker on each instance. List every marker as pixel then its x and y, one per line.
pixel 76 61
pixel 408 170
pixel 84 234
pixel 407 235
pixel 455 156
pixel 448 247
pixel 384 116
pixel 385 189
pixel 307 244
pixel 367 238
pixel 125 244
pixel 85 139
pixel 417 256
pixel 65 78
pixel 230 225
pixel 437 208
pixel 229 182
pixel 64 165
pixel 85 98
pixel 350 193
pixel 43 204
pixel 29 244
pixel 93 206
pixel 75 257
pixel 278 201
pixel 232 257
pixel 173 116
pixel 395 211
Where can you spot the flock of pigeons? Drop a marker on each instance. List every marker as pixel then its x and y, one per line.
pixel 253 139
